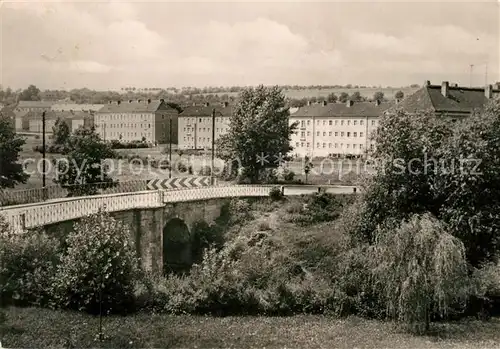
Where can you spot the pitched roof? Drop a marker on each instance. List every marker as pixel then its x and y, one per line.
pixel 76 107
pixel 341 109
pixel 132 107
pixel 52 115
pixel 459 99
pixel 35 104
pixel 204 110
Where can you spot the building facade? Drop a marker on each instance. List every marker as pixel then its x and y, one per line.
pixel 195 125
pixel 335 129
pixel 89 108
pixel 35 106
pixel 449 100
pixel 150 120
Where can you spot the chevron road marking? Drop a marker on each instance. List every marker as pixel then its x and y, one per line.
pixel 178 183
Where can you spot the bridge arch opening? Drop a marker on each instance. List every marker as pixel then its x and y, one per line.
pixel 177 255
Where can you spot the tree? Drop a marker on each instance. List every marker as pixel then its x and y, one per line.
pixel 100 265
pixel 378 96
pixel 11 172
pixel 83 172
pixel 32 93
pixel 399 95
pixel 451 170
pixel 61 131
pixel 343 97
pixel 420 270
pixel 356 97
pixel 259 133
pixel 332 98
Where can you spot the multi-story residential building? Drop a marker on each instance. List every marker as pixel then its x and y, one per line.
pixel 90 108
pixel 335 129
pixel 35 121
pixel 151 120
pixel 37 106
pixel 449 99
pixel 74 120
pixel 195 125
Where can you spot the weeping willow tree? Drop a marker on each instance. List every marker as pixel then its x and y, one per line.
pixel 420 271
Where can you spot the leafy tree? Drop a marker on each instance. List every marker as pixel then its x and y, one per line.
pixel 259 133
pixel 420 270
pixel 378 96
pixel 356 97
pixel 428 164
pixel 343 97
pixel 32 93
pixel 84 170
pixel 332 98
pixel 61 131
pixel 399 95
pixel 100 263
pixel 11 172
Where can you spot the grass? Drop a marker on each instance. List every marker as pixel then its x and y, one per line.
pixel 41 328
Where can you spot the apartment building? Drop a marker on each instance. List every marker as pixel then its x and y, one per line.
pixel 335 129
pixel 195 125
pixel 449 100
pixel 151 120
pixel 90 108
pixel 36 106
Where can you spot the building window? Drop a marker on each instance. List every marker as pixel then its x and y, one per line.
pixel 354 146
pixel 308 133
pixel 302 123
pixel 324 145
pixel 361 134
pixel 348 134
pixel 361 122
pixel 308 122
pixel 355 122
pixel 341 145
pixel 361 146
pixel 347 145
pixel 317 133
pixel 302 134
pixel 324 122
pixel 317 145
pixel 199 120
pixel 355 134
pixel 341 134
pixel 336 122
pixel 329 145
pixel 317 122
pixel 336 134
pixel 342 122
pixel 324 133
pixel 297 144
pixel 348 122
pixel 308 144
pixel 336 145
pixel 302 144
pixel 373 122
pixel 330 122
pixel 330 133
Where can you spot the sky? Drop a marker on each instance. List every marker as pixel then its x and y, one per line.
pixel 112 44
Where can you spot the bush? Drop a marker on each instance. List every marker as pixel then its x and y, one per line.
pixel 27 266
pixel 321 207
pixel 239 211
pixel 205 236
pixel 100 259
pixel 289 176
pixel 205 171
pixel 275 193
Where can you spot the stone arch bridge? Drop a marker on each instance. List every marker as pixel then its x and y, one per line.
pixel 149 214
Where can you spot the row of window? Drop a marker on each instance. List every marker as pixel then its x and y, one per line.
pixel 207 120
pixel 200 139
pixel 331 122
pixel 330 133
pixel 205 129
pixel 330 145
pixel 133 125
pixel 128 134
pixel 124 116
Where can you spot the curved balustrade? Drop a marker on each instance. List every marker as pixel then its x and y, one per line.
pixel 53 211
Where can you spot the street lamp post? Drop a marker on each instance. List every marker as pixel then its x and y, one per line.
pixel 43 156
pixel 213 147
pixel 170 147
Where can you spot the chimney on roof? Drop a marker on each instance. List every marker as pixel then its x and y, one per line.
pixel 488 91
pixel 325 103
pixel 118 102
pixel 149 100
pixel 130 101
pixel 349 103
pixel 139 100
pixel 226 104
pixel 445 88
pixel 427 83
pixel 377 102
pixel 207 104
pixel 308 102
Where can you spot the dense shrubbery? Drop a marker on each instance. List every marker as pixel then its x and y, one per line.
pixel 50 149
pixel 115 144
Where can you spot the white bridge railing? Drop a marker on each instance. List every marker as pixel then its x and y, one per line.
pixel 28 216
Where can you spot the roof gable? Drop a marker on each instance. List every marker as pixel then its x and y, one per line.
pixel 143 106
pixel 204 110
pixel 366 109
